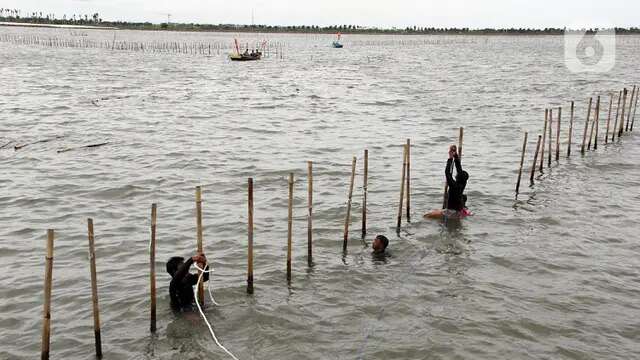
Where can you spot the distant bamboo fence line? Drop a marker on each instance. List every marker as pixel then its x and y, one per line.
pixel 158 47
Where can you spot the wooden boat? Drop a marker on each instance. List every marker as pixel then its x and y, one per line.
pixel 245 57
pixel 238 56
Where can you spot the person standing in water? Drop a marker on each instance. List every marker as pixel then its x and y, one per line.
pixel 456 200
pixel 182 281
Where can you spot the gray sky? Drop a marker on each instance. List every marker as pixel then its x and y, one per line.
pixel 400 13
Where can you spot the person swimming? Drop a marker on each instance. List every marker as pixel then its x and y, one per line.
pixel 182 281
pixel 456 199
pixel 380 244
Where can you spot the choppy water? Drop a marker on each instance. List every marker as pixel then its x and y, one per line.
pixel 552 275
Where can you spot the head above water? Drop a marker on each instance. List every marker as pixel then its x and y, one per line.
pixel 380 244
pixel 462 177
pixel 173 264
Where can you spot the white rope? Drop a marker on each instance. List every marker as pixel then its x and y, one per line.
pixel 195 293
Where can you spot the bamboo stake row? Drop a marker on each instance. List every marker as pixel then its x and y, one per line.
pixel 159 47
pixel 591 129
pixel 405 186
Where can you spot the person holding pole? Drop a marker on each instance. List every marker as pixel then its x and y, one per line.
pixel 182 281
pixel 456 200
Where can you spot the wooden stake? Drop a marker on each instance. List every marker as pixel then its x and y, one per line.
pixel 402 185
pixel 586 127
pixel 94 289
pixel 365 193
pixel 550 137
pixel 48 279
pixel 408 180
pixel 199 247
pixel 635 107
pixel 570 129
pixel 558 134
pixel 633 94
pixel 593 126
pixel 460 138
pixel 544 138
pixel 524 149
pixel 615 123
pixel 624 106
pixel 152 266
pixel 347 220
pixel 535 160
pixel 597 121
pixel 606 135
pixel 309 213
pixel 290 227
pixel 250 238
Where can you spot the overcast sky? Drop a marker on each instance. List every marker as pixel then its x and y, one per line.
pixel 389 13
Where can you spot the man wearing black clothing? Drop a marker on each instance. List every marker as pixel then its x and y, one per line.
pixel 455 200
pixel 182 282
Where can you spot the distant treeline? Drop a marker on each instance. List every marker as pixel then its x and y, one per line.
pixel 13 15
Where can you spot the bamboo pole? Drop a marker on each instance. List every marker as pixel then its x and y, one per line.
pixel 635 107
pixel 290 227
pixel 199 247
pixel 570 129
pixel 550 155
pixel 624 106
pixel 634 93
pixel 524 149
pixel 586 127
pixel 606 135
pixel 250 238
pixel 597 121
pixel 347 220
pixel 460 139
pixel 365 192
pixel 309 213
pixel 544 138
pixel 94 289
pixel 402 185
pixel 593 125
pixel 48 279
pixel 408 180
pixel 535 159
pixel 558 134
pixel 615 123
pixel 152 266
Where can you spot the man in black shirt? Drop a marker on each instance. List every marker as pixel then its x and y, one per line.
pixel 456 200
pixel 182 282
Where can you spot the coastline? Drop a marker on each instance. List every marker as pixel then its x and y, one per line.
pixel 332 30
pixel 58 26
